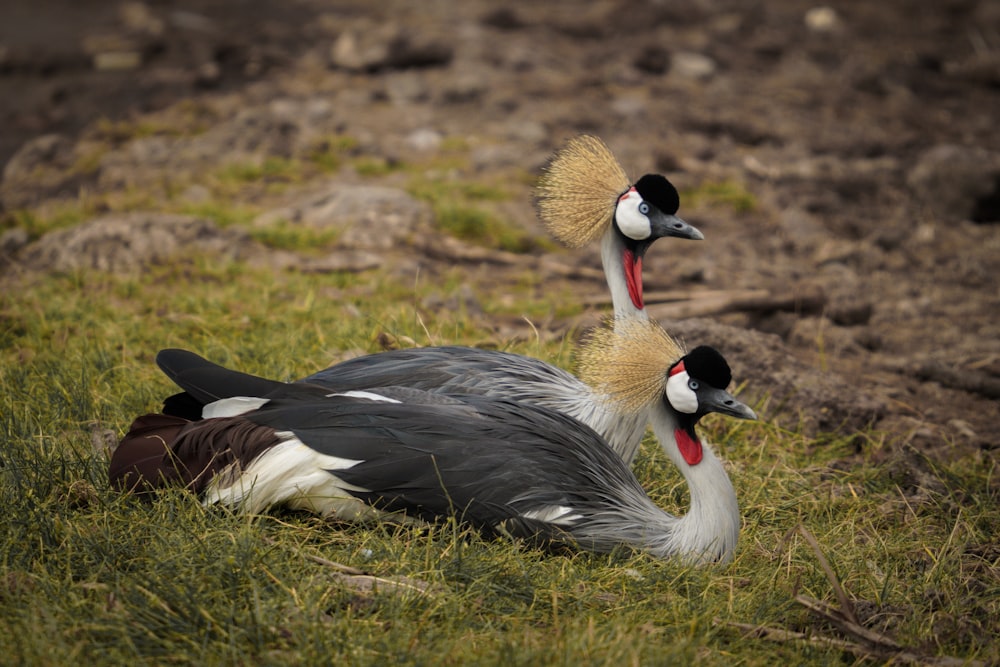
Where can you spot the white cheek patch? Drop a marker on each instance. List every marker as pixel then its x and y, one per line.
pixel 680 395
pixel 632 223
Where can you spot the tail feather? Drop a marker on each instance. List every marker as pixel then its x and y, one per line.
pixel 205 382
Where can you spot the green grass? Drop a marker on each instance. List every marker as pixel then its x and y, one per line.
pixel 727 194
pixel 90 576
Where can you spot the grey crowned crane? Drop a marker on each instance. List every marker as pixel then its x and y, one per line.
pixel 502 466
pixel 584 195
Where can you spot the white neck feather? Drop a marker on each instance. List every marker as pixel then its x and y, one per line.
pixel 710 529
pixel 614 271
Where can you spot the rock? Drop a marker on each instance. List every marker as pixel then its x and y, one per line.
pixel 652 59
pixel 40 166
pixel 503 18
pixel 467 87
pixel 424 140
pixel 822 20
pixel 823 336
pixel 128 242
pixel 691 65
pixel 851 312
pixel 138 17
pixel 799 394
pixel 958 183
pixel 11 241
pixel 406 88
pixel 374 47
pixel 284 127
pixel 370 217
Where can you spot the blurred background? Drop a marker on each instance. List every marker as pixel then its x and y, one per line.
pixel 842 160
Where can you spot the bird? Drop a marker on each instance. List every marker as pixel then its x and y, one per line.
pixel 503 466
pixel 584 194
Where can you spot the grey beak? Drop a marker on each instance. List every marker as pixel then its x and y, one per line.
pixel 670 225
pixel 711 399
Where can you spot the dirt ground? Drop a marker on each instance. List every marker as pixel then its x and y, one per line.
pixel 865 133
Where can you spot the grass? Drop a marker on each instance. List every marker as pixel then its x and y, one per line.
pixel 728 194
pixel 89 575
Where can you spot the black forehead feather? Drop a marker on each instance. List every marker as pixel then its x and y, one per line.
pixel 659 192
pixel 706 364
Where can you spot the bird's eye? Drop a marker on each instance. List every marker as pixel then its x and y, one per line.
pixel 644 208
pixel 693 385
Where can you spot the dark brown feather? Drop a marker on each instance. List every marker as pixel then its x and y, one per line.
pixel 162 450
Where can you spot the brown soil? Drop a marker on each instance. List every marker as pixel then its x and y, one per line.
pixel 867 137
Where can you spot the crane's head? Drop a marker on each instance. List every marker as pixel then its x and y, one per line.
pixel 584 194
pixel 696 386
pixel 645 212
pixel 639 367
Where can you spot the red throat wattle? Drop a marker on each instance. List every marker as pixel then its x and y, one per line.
pixel 690 448
pixel 633 277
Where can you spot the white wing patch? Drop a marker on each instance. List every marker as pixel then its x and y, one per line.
pixel 365 394
pixel 294 475
pixel 557 514
pixel 232 407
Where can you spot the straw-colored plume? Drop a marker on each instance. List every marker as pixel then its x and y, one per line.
pixel 579 190
pixel 629 362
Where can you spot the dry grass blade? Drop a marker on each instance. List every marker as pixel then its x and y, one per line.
pixel 844 618
pixel 361 582
pixel 781 635
pixel 846 606
pixel 900 656
pixel 836 617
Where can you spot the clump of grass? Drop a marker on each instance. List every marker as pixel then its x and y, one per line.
pixel 285 235
pixel 459 210
pixel 482 228
pixel 726 193
pixel 220 212
pixel 271 168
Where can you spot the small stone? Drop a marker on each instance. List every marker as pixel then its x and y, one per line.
pixel 822 19
pixel 958 183
pixel 139 17
pixel 653 60
pixel 405 88
pixel 196 194
pixel 424 140
pixel 691 65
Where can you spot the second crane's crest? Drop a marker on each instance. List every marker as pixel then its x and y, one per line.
pixel 629 362
pixel 578 191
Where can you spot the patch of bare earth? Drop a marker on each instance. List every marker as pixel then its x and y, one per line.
pixel 857 287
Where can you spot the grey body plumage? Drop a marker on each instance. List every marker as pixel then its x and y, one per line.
pixel 501 375
pixel 502 466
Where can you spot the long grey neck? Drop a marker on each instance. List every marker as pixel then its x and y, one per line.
pixel 612 247
pixel 710 529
